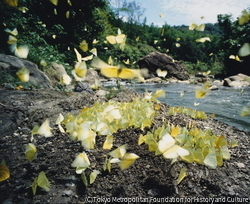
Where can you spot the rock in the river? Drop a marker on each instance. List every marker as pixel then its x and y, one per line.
pixel 157 60
pixel 9 65
pixel 238 80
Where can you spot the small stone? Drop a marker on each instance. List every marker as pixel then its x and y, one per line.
pixel 241 165
pixel 68 192
pixel 153 192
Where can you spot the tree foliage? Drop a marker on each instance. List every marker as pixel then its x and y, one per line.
pixel 50 30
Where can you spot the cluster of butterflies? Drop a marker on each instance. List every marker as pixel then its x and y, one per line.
pixel 102 119
pixel 193 145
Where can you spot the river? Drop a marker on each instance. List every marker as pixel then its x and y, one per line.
pixel 226 102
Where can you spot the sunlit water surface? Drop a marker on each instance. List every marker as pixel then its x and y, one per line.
pixel 226 102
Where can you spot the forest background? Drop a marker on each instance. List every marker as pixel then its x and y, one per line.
pixel 53 28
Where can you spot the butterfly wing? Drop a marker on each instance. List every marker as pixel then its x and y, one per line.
pixel 110 71
pixel 166 142
pixel 111 39
pixel 192 26
pixel 120 38
pixel 126 73
pixel 244 50
pixel 4 172
pixel 200 27
pixel 127 160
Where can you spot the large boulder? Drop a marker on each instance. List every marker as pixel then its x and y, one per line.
pixel 9 65
pixel 238 80
pixel 157 60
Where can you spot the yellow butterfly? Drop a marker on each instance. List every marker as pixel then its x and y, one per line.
pixel 201 92
pixel 108 144
pixel 78 55
pixel 65 79
pixel 115 71
pixel 21 51
pixel 127 160
pixel 23 74
pixel 45 129
pixel 69 2
pixel 161 15
pixel 93 176
pixel 162 33
pixel 244 50
pixel 81 160
pixel 81 69
pixel 235 57
pixel 182 175
pixel 13 3
pixel 4 172
pixel 244 18
pixel 84 46
pixel 12 40
pixel 170 150
pixel 210 160
pixel 94 51
pixel 30 152
pixel 119 152
pixel 23 9
pixel 203 39
pixel 116 39
pixel 177 44
pixel 40 181
pixel 161 73
pixel 194 26
pixel 58 122
pixel 126 61
pixel 245 112
pixel 43 63
pixel 55 2
pixel 55 11
pixel 95 41
pixel 110 60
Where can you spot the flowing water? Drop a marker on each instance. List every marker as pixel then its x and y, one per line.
pixel 226 102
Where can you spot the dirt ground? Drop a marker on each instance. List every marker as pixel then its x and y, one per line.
pixel 149 178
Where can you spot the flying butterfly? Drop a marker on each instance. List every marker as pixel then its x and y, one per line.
pixel 201 92
pixel 204 39
pixel 235 57
pixel 244 50
pixel 194 26
pixel 116 39
pixel 22 51
pixel 55 2
pixel 13 3
pixel 84 46
pixel 116 71
pixel 161 73
pixel 244 18
pixel 23 74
